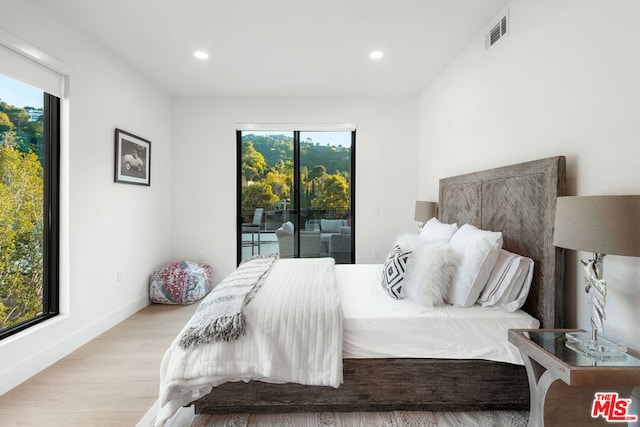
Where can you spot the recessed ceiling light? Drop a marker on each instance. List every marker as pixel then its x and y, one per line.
pixel 200 54
pixel 376 54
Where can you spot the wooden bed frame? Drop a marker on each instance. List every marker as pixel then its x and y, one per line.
pixel 519 201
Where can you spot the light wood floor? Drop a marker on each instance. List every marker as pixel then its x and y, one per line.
pixel 111 381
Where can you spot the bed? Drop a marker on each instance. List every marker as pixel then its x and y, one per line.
pixel 517 200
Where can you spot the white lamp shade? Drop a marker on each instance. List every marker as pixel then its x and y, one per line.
pixel 607 225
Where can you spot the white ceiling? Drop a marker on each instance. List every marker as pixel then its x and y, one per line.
pixel 284 47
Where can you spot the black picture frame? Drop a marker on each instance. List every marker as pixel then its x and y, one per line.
pixel 132 159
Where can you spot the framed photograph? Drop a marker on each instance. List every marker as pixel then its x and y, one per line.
pixel 133 159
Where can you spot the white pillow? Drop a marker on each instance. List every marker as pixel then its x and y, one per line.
pixel 509 282
pixel 430 271
pixel 409 242
pixel 479 250
pixel 288 227
pixel 435 231
pixel 345 229
pixel 331 225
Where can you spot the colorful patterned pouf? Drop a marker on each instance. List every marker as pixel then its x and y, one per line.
pixel 182 282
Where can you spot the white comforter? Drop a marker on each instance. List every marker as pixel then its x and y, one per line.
pixel 303 345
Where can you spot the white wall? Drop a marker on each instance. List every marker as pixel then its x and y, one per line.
pixel 204 168
pixel 565 81
pixel 106 227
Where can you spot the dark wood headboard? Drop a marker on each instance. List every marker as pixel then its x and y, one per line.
pixel 520 201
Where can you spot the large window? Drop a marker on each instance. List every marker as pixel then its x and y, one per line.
pixel 296 194
pixel 29 189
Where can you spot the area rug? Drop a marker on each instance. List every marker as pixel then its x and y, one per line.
pixel 185 417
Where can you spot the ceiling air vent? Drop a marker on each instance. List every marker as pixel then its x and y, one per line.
pixel 497 32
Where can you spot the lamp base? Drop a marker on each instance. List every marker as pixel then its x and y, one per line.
pixel 600 349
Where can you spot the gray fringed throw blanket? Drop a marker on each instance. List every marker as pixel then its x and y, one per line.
pixel 220 316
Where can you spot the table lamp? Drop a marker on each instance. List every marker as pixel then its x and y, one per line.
pixel 601 225
pixel 425 211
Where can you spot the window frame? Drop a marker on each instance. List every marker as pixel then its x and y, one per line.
pixel 51 219
pixel 295 130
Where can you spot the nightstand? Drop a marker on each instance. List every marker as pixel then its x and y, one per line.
pixel 563 382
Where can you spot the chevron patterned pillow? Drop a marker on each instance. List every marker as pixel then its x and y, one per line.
pixel 394 271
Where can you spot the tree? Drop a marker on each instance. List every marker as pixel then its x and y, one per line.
pixel 5 122
pixel 258 195
pixel 286 168
pixel 335 196
pixel 19 117
pixel 317 172
pixel 32 135
pixel 253 163
pixel 21 233
pixel 278 183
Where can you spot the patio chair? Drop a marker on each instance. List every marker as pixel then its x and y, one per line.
pixel 285 242
pixel 253 228
pixel 309 244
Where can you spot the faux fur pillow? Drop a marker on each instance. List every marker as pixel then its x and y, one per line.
pixel 430 270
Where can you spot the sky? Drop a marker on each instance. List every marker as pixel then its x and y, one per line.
pixel 19 94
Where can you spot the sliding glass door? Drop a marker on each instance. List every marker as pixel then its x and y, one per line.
pixel 295 194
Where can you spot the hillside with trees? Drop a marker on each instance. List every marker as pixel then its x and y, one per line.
pixel 27 123
pixel 21 214
pixel 267 174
